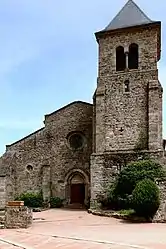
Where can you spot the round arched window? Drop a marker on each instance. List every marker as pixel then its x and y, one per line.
pixel 29 167
pixel 76 141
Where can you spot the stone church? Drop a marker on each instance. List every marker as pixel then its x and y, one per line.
pixel 83 146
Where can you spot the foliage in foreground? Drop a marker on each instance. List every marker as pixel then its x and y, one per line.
pixel 145 198
pixel 56 202
pixel 135 172
pixel 127 212
pixel 119 194
pixel 35 200
pixel 31 199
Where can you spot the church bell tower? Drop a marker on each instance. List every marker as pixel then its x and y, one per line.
pixel 128 98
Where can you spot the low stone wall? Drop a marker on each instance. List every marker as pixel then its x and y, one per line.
pixel 160 216
pixel 18 217
pixel 113 214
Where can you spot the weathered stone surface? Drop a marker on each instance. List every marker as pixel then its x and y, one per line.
pixel 124 120
pixel 37 209
pixel 161 213
pixel 127 126
pixel 2 191
pixel 18 217
pixel 105 168
pixel 45 161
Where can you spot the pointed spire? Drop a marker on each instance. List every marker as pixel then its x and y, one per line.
pixel 130 15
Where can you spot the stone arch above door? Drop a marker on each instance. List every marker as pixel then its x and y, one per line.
pixel 76 171
pixel 76 179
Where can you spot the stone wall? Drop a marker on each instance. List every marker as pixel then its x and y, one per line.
pixel 75 118
pixel 155 114
pixel 2 191
pixel 46 183
pixel 106 167
pixel 43 160
pixel 126 121
pixel 8 169
pixel 146 38
pixel 18 217
pixel 161 213
pixel 26 168
pixel 128 125
pixel 123 109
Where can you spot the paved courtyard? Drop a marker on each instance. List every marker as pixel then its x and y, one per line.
pixel 80 230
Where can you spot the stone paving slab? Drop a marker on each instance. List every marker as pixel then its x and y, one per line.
pixel 4 245
pixel 78 230
pixel 51 243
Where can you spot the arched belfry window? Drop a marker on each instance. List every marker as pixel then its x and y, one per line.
pixel 120 59
pixel 133 56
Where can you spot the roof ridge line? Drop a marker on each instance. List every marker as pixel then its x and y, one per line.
pixel 130 15
pixel 67 105
pixel 117 14
pixel 140 10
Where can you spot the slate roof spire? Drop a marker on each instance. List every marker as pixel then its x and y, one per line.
pixel 130 15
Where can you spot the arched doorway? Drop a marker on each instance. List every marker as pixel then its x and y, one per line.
pixel 77 189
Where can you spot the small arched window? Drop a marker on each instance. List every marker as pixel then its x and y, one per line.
pixel 133 56
pixel 127 86
pixel 120 59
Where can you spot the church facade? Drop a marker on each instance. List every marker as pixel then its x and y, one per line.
pixel 83 146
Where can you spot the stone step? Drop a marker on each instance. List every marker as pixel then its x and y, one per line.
pixel 2 212
pixel 2 219
pixel 2 226
pixel 75 206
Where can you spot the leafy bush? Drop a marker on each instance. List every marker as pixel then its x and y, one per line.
pixel 111 201
pixel 117 201
pixel 31 199
pixel 145 198
pixel 56 202
pixel 103 200
pixel 119 194
pixel 135 172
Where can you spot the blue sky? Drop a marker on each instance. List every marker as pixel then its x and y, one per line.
pixel 48 57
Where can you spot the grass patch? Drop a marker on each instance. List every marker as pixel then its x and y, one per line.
pixel 128 212
pixel 130 216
